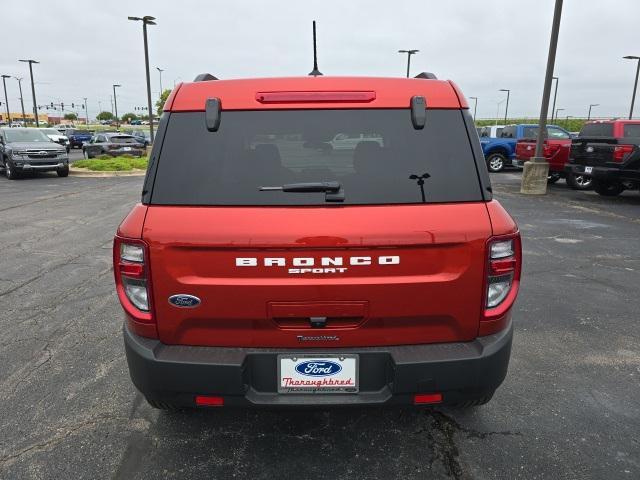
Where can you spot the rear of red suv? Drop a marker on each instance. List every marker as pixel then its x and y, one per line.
pixel 273 263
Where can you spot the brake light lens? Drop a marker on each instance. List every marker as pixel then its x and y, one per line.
pixel 550 149
pixel 131 270
pixel 620 152
pixel 316 97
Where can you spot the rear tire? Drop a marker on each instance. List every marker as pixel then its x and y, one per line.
pixel 167 407
pixel 608 188
pixel 579 182
pixel 86 154
pixel 553 177
pixel 496 162
pixel 475 402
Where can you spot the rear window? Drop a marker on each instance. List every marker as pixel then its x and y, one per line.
pixel 597 130
pixel 376 155
pixel 631 130
pixel 122 139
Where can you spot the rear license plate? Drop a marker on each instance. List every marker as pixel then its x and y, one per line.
pixel 307 373
pixel 588 169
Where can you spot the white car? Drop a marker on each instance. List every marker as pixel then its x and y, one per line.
pixel 55 136
pixel 346 141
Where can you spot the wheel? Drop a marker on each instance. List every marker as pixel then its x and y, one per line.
pixel 475 402
pixel 63 172
pixel 167 407
pixel 496 162
pixel 68 149
pixel 10 171
pixel 86 154
pixel 553 177
pixel 608 188
pixel 579 182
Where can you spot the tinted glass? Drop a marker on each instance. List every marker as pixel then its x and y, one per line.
pixel 558 134
pixel 631 130
pixel 372 153
pixel 597 130
pixel 122 139
pixel 508 132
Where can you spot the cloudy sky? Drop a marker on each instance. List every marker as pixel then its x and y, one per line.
pixel 86 46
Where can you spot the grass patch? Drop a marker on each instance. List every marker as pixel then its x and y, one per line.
pixel 120 164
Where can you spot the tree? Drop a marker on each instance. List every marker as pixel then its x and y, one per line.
pixel 105 116
pixel 127 117
pixel 70 116
pixel 160 103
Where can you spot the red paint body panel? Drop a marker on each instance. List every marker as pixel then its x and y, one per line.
pixel 241 94
pixel 131 226
pixel 556 152
pixel 433 295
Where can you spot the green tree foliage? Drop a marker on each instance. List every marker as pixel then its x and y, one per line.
pixel 160 102
pixel 70 116
pixel 105 116
pixel 127 117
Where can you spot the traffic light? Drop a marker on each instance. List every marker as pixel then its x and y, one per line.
pixel 51 104
pixel 62 105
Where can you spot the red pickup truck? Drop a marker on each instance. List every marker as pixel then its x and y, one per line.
pixel 556 149
pixel 264 267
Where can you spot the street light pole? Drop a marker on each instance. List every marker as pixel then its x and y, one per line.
pixel 635 85
pixel 592 105
pixel 6 100
pixel 86 112
pixel 506 108
pixel 33 90
pixel 115 104
pixel 536 170
pixel 160 70
pixel 24 117
pixel 558 110
pixel 475 107
pixel 409 53
pixel 147 20
pixel 553 107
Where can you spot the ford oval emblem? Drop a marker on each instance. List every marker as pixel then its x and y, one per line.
pixel 318 368
pixel 183 300
pixel 589 149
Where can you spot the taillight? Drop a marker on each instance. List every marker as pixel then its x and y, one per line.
pixel 131 269
pixel 504 261
pixel 550 149
pixel 620 152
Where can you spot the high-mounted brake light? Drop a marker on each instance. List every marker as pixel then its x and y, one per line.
pixel 620 152
pixel 316 97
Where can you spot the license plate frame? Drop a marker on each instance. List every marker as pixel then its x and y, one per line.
pixel 588 170
pixel 350 369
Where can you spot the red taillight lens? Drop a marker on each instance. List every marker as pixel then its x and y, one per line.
pixel 504 259
pixel 550 150
pixel 131 270
pixel 620 152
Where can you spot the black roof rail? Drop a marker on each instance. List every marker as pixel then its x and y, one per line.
pixel 204 77
pixel 427 75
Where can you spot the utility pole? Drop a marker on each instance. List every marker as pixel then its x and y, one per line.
pixel 6 100
pixel 536 170
pixel 147 20
pixel 33 90
pixel 553 108
pixel 475 107
pixel 506 108
pixel 160 70
pixel 592 105
pixel 86 112
pixel 409 53
pixel 115 104
pixel 635 85
pixel 24 117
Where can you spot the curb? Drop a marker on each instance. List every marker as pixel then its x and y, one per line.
pixel 81 172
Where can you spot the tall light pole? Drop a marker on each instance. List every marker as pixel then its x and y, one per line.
pixel 147 20
pixel 409 53
pixel 24 117
pixel 553 107
pixel 566 123
pixel 475 107
pixel 558 110
pixel 506 108
pixel 160 70
pixel 33 90
pixel 635 85
pixel 115 104
pixel 86 112
pixel 6 100
pixel 591 105
pixel 536 170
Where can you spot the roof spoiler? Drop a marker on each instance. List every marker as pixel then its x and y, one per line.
pixel 426 75
pixel 204 77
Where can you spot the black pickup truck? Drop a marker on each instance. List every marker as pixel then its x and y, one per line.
pixel 609 151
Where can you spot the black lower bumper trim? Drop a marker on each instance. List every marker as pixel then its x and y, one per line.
pixel 387 375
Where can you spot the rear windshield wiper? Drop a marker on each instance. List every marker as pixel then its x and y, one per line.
pixel 333 190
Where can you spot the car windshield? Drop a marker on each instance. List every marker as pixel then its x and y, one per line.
pixel 50 131
pixel 597 130
pixel 26 135
pixel 375 155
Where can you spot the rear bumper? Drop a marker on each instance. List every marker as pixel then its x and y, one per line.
pixel 606 173
pixel 387 375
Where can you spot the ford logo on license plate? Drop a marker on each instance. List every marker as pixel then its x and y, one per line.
pixel 318 368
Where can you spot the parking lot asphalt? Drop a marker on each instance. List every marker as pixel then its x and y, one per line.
pixel 569 408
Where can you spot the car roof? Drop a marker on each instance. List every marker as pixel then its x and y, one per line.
pixel 242 94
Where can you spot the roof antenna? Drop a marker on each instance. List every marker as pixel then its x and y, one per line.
pixel 315 72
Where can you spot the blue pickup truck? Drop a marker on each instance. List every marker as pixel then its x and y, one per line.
pixel 500 152
pixel 78 137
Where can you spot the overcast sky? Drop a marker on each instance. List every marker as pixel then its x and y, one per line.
pixel 86 46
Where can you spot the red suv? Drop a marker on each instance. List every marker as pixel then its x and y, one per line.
pixel 273 263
